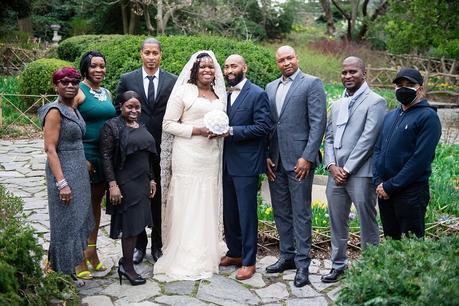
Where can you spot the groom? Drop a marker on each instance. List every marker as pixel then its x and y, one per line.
pixel 244 159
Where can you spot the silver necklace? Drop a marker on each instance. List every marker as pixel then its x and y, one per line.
pixel 99 94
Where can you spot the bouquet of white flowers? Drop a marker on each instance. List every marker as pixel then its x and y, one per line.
pixel 217 122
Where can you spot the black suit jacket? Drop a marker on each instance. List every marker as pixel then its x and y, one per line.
pixel 152 110
pixel 245 151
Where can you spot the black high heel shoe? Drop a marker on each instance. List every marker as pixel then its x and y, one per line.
pixel 139 280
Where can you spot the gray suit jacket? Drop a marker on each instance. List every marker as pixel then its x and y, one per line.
pixel 364 124
pixel 299 129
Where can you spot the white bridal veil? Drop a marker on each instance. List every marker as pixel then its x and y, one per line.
pixel 167 139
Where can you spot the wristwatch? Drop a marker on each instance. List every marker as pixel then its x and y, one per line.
pixel 230 130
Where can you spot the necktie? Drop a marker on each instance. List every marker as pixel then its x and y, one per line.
pixel 151 88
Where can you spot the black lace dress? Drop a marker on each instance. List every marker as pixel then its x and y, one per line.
pixel 128 154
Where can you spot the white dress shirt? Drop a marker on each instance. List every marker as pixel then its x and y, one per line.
pixel 146 81
pixel 236 93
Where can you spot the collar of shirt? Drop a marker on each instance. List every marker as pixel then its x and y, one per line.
pixel 145 74
pixel 235 93
pixel 240 84
pixel 290 78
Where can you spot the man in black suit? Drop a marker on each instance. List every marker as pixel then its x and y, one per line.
pixel 244 159
pixel 154 86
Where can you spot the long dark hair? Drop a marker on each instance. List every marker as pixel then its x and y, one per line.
pixel 194 70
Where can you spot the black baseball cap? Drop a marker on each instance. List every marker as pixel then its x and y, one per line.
pixel 410 74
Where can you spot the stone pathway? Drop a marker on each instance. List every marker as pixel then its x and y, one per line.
pixel 22 164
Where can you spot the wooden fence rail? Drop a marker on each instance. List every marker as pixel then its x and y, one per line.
pixel 6 101
pixel 435 83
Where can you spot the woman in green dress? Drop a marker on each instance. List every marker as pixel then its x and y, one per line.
pixel 95 105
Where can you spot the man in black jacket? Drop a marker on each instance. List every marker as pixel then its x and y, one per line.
pixel 403 157
pixel 154 86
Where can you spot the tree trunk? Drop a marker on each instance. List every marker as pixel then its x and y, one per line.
pixel 125 16
pixel 25 25
pixel 159 17
pixel 133 23
pixel 354 12
pixel 146 14
pixel 328 17
pixel 380 10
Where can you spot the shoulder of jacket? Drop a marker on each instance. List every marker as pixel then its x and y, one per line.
pixel 168 74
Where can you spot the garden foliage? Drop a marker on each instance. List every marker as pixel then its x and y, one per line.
pixel 22 281
pixel 123 54
pixel 407 272
pixel 36 78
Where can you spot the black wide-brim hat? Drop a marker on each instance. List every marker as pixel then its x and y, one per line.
pixel 410 74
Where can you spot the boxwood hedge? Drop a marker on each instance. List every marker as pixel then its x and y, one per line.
pixel 35 79
pixel 122 54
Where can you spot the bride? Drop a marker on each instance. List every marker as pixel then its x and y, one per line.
pixel 191 174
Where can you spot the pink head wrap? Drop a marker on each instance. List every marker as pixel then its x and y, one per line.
pixel 69 72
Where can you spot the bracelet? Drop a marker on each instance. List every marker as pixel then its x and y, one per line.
pixel 61 184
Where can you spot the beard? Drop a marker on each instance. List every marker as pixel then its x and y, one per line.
pixel 237 78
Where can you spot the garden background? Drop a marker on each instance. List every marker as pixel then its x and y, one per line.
pixel 386 34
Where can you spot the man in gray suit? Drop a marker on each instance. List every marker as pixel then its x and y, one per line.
pixel 298 110
pixel 352 130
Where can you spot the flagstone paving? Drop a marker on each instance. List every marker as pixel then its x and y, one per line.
pixel 22 164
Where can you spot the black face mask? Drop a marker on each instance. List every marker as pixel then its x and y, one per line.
pixel 405 95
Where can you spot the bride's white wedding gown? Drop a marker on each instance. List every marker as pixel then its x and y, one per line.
pixel 192 242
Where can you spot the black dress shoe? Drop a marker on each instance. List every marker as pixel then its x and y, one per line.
pixel 301 277
pixel 156 253
pixel 281 265
pixel 332 277
pixel 138 256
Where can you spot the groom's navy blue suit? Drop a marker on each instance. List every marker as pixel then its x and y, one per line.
pixel 244 159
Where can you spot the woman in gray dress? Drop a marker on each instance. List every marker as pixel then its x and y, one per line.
pixel 69 195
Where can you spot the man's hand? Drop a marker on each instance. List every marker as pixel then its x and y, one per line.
pixel 270 166
pixel 224 135
pixel 381 192
pixel 302 168
pixel 339 175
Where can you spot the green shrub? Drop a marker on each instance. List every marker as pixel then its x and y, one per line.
pixel 444 191
pixel 122 54
pixel 36 78
pixel 22 282
pixel 407 272
pixel 73 47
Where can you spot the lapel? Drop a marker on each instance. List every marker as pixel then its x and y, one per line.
pixel 291 90
pixel 139 83
pixel 359 101
pixel 240 99
pixel 161 84
pixel 271 90
pixel 72 116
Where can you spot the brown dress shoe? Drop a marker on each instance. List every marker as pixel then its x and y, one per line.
pixel 231 261
pixel 245 272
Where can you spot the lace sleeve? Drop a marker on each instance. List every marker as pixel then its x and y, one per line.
pixel 107 149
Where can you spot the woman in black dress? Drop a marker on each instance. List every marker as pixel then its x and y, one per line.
pixel 128 150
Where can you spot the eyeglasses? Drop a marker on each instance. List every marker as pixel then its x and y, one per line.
pixel 67 82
